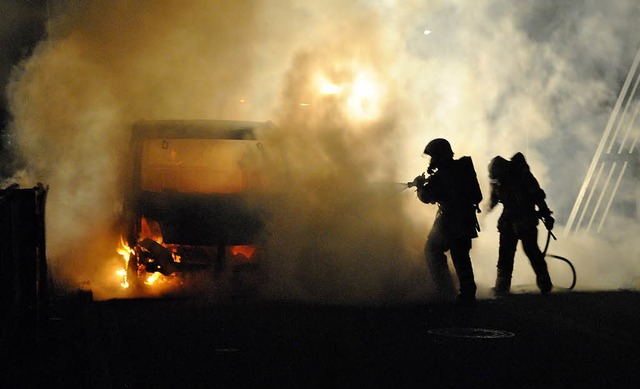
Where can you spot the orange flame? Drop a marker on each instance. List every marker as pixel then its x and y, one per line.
pixel 125 251
pixel 150 228
pixel 153 278
pixel 245 250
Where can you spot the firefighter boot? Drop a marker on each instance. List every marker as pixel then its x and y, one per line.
pixel 544 282
pixel 503 284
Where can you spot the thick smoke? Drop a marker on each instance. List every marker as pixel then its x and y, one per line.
pixel 355 89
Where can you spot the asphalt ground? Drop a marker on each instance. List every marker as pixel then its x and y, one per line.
pixel 560 340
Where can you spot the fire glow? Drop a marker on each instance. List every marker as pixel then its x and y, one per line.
pixel 154 278
pixel 361 95
pixel 246 251
pixel 149 230
pixel 125 252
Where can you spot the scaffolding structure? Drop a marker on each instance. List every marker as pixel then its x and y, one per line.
pixel 614 158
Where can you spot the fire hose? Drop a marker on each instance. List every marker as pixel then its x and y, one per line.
pixel 544 252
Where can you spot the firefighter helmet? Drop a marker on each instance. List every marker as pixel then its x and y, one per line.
pixel 498 168
pixel 439 148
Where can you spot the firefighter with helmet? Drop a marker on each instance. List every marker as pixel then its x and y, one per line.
pixel 453 185
pixel 523 201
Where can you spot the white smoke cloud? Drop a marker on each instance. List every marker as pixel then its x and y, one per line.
pixel 493 77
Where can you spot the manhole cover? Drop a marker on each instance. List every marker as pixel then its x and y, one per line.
pixel 476 333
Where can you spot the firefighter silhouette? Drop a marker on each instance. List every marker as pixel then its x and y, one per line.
pixel 453 185
pixel 523 201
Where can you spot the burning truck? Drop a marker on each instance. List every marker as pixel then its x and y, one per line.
pixel 192 200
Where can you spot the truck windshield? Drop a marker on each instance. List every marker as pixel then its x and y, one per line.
pixel 200 165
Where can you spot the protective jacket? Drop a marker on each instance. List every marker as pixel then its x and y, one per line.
pixel 519 192
pixel 516 188
pixel 454 187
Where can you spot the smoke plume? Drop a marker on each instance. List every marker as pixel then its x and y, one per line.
pixel 355 90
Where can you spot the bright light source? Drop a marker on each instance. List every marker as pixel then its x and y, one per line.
pixel 363 87
pixel 361 95
pixel 330 89
pixel 427 32
pixel 326 86
pixel 364 101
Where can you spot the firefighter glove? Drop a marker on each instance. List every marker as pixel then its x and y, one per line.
pixel 548 222
pixel 419 181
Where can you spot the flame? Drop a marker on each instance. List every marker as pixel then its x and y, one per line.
pixel 150 228
pixel 122 273
pixel 125 252
pixel 153 278
pixel 246 251
pixel 157 279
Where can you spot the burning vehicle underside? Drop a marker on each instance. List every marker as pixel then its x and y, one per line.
pixel 192 204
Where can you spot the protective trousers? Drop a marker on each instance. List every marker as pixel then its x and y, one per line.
pixel 438 243
pixel 509 236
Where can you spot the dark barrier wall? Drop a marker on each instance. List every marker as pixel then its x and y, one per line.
pixel 23 266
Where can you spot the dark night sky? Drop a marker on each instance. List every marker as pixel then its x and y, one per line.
pixel 22 25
